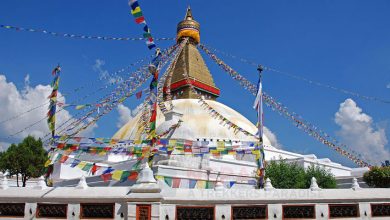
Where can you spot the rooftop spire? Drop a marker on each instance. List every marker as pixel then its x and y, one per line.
pixel 191 62
pixel 188 14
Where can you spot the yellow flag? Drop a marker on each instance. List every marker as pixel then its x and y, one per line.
pixel 48 162
pixel 82 164
pixel 201 184
pixel 160 178
pixel 117 174
pixel 136 10
pixel 255 152
pixel 221 144
pixel 214 151
pixel 232 152
pixel 172 142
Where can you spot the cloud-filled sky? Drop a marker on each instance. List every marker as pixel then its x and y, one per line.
pixel 340 43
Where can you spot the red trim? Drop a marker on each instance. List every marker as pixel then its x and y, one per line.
pixel 195 83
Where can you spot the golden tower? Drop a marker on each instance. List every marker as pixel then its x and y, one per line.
pixel 191 62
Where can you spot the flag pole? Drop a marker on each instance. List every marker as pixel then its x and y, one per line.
pixel 260 116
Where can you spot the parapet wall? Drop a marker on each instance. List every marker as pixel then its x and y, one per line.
pixel 162 202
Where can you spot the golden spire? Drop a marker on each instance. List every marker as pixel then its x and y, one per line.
pixel 188 14
pixel 188 28
pixel 191 62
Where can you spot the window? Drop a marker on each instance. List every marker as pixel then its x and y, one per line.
pixel 52 210
pixel 194 213
pixel 249 212
pixel 378 210
pixel 144 212
pixel 99 210
pixel 298 211
pixel 12 209
pixel 343 210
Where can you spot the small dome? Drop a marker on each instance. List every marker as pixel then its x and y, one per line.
pixel 188 28
pixel 197 123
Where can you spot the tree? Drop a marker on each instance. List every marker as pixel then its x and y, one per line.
pixel 325 179
pixel 378 177
pixel 286 175
pixel 26 159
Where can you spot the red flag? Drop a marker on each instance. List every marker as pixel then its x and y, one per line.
pixel 138 94
pixel 60 145
pixel 106 177
pixel 94 169
pixel 140 20
pixel 133 175
pixel 74 147
pixel 176 183
pixel 63 159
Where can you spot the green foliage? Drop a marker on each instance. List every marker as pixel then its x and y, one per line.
pixel 325 179
pixel 27 159
pixel 284 175
pixel 378 177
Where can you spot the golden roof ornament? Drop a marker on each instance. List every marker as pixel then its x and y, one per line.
pixel 188 28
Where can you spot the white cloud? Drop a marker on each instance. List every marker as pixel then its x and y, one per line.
pixel 27 81
pixel 388 85
pixel 13 102
pixel 103 73
pixel 125 114
pixel 360 133
pixel 272 138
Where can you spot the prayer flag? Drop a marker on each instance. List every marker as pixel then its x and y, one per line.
pixel 138 94
pixel 139 20
pixel 117 174
pixel 175 183
pixel 108 170
pixel 87 167
pixel 125 175
pixel 133 175
pixel 192 184
pixel 201 184
pixel 106 177
pixel 75 163
pixel 48 162
pixel 168 180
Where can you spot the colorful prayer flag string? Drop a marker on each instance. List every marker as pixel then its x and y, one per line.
pixel 140 19
pixel 309 81
pixel 51 120
pixel 78 36
pixel 308 128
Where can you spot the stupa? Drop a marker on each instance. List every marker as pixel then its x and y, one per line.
pixel 198 125
pixel 191 186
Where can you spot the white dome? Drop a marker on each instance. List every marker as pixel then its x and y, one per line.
pixel 197 123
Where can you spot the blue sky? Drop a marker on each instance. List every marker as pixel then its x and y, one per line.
pixel 341 43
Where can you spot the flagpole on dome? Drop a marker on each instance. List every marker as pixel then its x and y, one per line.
pixel 258 105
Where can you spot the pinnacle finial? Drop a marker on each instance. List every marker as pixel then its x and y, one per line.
pixel 355 184
pixel 313 185
pixel 188 14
